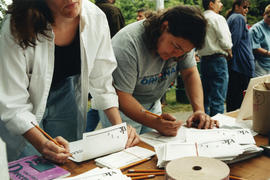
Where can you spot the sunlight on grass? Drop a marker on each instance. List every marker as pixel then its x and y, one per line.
pixel 172 105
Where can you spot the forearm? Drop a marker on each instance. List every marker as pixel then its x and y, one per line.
pixel 262 52
pixel 193 87
pixel 36 138
pixel 113 115
pixel 133 109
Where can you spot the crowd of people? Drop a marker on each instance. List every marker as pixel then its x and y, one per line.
pixel 57 53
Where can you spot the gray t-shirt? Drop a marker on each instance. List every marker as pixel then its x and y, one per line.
pixel 140 72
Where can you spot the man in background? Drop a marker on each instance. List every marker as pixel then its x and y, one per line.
pixel 114 15
pixel 217 47
pixel 140 14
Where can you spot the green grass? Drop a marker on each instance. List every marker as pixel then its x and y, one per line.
pixel 172 105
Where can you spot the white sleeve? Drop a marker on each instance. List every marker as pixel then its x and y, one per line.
pixel 15 105
pixel 101 80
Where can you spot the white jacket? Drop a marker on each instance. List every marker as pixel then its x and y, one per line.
pixel 26 75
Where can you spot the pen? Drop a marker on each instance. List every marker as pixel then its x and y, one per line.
pixel 148 112
pixel 143 177
pixel 145 174
pixel 235 178
pixel 133 164
pixel 196 145
pixel 145 170
pixel 48 136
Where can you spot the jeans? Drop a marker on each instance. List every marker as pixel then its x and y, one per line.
pixel 92 120
pixel 62 116
pixel 140 129
pixel 214 75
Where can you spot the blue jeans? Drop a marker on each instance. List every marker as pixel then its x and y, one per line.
pixel 62 116
pixel 214 75
pixel 140 129
pixel 92 120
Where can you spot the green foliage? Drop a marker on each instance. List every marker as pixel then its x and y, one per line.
pixel 3 8
pixel 129 7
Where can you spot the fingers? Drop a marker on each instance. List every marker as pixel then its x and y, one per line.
pixel 201 120
pixel 168 117
pixel 168 128
pixel 63 142
pixel 55 153
pixel 133 137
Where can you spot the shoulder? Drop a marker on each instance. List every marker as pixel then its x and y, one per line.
pixel 90 10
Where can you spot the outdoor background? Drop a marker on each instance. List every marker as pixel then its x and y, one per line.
pixel 129 9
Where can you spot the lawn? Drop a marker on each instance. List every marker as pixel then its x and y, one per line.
pixel 172 105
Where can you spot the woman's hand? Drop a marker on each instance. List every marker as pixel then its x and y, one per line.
pixel 55 153
pixel 201 120
pixel 167 125
pixel 133 137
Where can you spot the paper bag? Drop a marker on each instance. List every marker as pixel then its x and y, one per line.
pixel 261 109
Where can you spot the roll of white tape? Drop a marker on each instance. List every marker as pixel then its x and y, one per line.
pixel 197 168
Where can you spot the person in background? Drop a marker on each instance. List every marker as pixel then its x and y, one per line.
pixel 149 54
pixel 241 66
pixel 214 54
pixel 140 14
pixel 260 33
pixel 53 52
pixel 114 15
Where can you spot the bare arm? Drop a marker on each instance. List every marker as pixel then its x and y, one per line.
pixel 262 52
pixel 194 92
pixel 166 125
pixel 46 147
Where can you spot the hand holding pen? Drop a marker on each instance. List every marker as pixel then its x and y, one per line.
pixel 56 150
pixel 166 123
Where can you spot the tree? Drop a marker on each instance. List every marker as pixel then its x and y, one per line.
pixel 3 8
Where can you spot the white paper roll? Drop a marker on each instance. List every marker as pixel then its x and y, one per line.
pixel 197 168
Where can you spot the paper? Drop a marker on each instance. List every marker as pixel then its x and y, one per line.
pixel 154 138
pixel 101 174
pixel 246 106
pixel 99 143
pixel 124 157
pixel 3 160
pixel 242 136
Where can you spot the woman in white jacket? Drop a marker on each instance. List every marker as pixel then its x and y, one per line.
pixel 53 53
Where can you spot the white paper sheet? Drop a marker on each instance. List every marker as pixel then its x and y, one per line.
pixel 124 157
pixel 99 143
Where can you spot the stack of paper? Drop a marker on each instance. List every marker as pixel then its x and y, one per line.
pixel 99 143
pixel 229 143
pixel 125 157
pixel 101 174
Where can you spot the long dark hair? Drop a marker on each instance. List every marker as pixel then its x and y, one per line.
pixel 28 19
pixel 183 21
pixel 235 2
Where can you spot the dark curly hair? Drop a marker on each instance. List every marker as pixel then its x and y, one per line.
pixel 28 19
pixel 187 22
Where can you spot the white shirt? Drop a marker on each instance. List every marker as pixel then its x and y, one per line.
pixel 26 75
pixel 218 36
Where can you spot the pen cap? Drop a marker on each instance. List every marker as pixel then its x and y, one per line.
pixel 197 168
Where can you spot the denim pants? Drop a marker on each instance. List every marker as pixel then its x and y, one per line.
pixel 62 116
pixel 92 120
pixel 140 129
pixel 214 75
